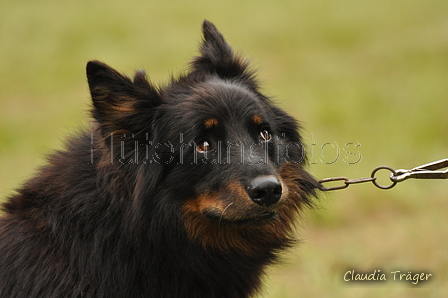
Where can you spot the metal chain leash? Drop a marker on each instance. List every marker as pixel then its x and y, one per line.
pixel 431 170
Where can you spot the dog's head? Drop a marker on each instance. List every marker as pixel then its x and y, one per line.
pixel 224 154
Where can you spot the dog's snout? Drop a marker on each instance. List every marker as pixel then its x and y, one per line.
pixel 265 190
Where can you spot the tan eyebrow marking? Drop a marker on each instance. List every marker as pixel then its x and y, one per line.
pixel 209 123
pixel 257 119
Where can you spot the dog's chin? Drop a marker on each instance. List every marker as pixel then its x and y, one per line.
pixel 260 219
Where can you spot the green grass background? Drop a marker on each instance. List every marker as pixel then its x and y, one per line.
pixel 373 73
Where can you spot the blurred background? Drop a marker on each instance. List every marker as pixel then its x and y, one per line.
pixel 368 80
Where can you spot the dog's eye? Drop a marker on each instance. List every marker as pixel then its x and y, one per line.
pixel 203 147
pixel 265 136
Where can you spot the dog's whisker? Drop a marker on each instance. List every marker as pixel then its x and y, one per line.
pixel 222 214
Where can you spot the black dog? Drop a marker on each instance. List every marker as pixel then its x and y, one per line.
pixel 189 190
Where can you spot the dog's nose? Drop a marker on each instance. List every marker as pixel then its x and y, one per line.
pixel 265 190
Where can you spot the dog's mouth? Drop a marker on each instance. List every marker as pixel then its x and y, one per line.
pixel 257 220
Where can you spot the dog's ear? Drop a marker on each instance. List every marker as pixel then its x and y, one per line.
pixel 120 105
pixel 217 57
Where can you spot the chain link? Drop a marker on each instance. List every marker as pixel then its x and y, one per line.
pixel 426 171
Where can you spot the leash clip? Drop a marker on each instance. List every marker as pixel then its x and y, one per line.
pixel 426 171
